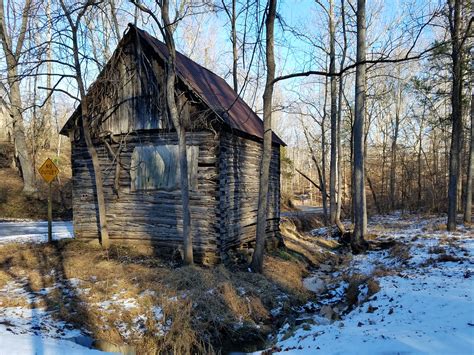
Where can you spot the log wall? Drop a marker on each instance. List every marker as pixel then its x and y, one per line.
pixel 153 217
pixel 223 204
pixel 239 170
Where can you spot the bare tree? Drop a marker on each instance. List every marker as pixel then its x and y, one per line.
pixel 457 44
pixel 74 24
pixel 470 171
pixel 358 242
pixel 257 258
pixel 12 58
pixel 232 15
pixel 334 132
pixel 339 122
pixel 395 133
pixel 168 29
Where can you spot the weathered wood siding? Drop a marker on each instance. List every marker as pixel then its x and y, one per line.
pixel 153 217
pixel 128 96
pixel 239 170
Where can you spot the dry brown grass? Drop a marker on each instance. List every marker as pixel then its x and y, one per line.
pixel 203 309
pixel 305 222
pixel 439 227
pixel 315 250
pixel 356 282
pixel 400 251
pixel 287 275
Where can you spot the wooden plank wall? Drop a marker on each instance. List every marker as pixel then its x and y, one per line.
pixel 153 217
pixel 239 168
pixel 128 94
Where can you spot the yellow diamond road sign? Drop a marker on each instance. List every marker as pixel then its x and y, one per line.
pixel 48 170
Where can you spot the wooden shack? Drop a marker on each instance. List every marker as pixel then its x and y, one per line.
pixel 138 146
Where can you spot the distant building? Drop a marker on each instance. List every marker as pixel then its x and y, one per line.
pixel 138 150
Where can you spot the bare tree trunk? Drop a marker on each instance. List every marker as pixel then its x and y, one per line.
pixel 419 163
pixel 48 108
pixel 233 33
pixel 358 242
pixel 322 171
pixel 339 122
pixel 86 125
pixel 374 195
pixel 322 181
pixel 12 56
pixel 393 153
pixel 113 14
pixel 334 137
pixel 456 116
pixel 257 259
pixel 180 130
pixel 235 54
pixel 470 171
pixel 98 181
pixel 19 137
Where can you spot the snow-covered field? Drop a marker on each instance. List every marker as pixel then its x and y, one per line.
pixel 425 304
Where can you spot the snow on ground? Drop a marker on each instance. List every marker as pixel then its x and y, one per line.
pixel 31 329
pixel 38 345
pixel 24 315
pixel 33 231
pixel 425 305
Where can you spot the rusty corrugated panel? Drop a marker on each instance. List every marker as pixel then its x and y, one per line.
pixel 213 90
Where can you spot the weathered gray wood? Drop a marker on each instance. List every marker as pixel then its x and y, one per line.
pixel 239 167
pixel 156 167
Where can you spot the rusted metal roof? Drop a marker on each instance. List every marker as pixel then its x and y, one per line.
pixel 212 89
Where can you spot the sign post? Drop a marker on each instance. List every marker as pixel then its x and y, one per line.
pixel 49 171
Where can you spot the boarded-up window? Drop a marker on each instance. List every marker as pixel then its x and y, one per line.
pixel 157 167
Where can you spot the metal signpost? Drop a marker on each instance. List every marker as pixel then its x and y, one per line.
pixel 49 171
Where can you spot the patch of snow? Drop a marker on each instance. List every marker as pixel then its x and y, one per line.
pixel 275 311
pixel 33 231
pixel 147 293
pixel 28 344
pixel 157 313
pixel 321 231
pixel 126 304
pixel 314 284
